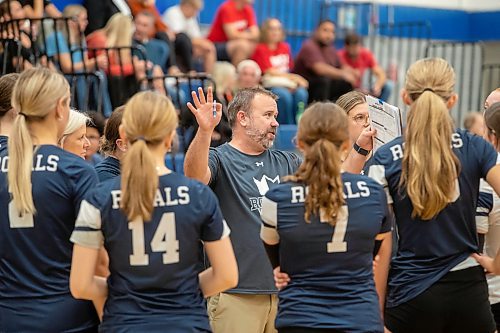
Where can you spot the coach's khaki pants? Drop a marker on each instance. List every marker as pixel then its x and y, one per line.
pixel 242 313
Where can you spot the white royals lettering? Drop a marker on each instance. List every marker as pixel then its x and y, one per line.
pixel 40 163
pixel 162 198
pixel 397 150
pixel 352 191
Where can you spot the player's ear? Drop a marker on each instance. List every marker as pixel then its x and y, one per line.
pixel 406 97
pixel 123 136
pixel 169 139
pixel 451 101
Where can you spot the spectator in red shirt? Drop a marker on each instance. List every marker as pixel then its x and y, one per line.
pixel 275 61
pixel 234 31
pixel 318 62
pixel 360 59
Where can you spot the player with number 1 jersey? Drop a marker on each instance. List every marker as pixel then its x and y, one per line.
pixel 155 284
pixel 332 287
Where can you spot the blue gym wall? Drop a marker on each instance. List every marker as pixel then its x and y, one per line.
pixel 446 24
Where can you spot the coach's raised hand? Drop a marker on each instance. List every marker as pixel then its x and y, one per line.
pixel 203 109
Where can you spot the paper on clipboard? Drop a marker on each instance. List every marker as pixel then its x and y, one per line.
pixel 386 119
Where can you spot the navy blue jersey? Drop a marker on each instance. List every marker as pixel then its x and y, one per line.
pixel 3 142
pixel 36 252
pixel 108 168
pixel 330 267
pixel 427 250
pixel 154 265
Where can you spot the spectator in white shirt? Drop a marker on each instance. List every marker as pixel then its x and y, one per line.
pixel 182 19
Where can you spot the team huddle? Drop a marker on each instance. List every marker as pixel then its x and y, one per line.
pixel 250 239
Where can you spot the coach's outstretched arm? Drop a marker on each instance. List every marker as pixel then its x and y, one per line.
pixel 208 116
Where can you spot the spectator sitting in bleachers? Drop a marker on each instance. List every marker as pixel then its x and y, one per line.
pixel 359 59
pixel 234 31
pixel 319 63
pixel 157 50
pixel 125 70
pixel 181 58
pixel 275 60
pixel 102 11
pixel 40 8
pixel 248 75
pixel 182 19
pixel 68 49
pixel 19 32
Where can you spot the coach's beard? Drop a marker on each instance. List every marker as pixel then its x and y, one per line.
pixel 263 138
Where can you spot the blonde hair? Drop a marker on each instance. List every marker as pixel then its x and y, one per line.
pixel 76 120
pixel 429 84
pixel 118 31
pixel 36 93
pixel 72 11
pixel 323 129
pixel 147 120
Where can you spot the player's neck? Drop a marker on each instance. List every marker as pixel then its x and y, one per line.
pixel 43 133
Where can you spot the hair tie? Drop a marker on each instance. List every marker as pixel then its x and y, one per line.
pixel 22 114
pixel 428 89
pixel 140 138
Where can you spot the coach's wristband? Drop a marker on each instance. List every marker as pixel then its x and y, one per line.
pixel 360 150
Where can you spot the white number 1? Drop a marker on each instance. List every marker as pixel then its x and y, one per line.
pixel 338 244
pixel 164 240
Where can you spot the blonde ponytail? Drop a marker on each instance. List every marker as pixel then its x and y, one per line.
pixel 147 120
pixel 20 165
pixel 36 94
pixel 429 167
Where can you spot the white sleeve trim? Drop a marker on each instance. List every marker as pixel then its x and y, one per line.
pixel 269 212
pixel 226 231
pixel 377 172
pixel 88 217
pixel 482 224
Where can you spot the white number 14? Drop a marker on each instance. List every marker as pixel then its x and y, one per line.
pixel 164 240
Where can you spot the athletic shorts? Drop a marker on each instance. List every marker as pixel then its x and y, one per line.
pixel 457 303
pixel 221 49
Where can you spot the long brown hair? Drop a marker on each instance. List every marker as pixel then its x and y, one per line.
pixel 323 130
pixel 429 166
pixel 147 120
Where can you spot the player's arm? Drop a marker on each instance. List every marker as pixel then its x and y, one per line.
pixel 492 265
pixel 223 273
pixel 196 159
pixel 82 281
pixel 381 270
